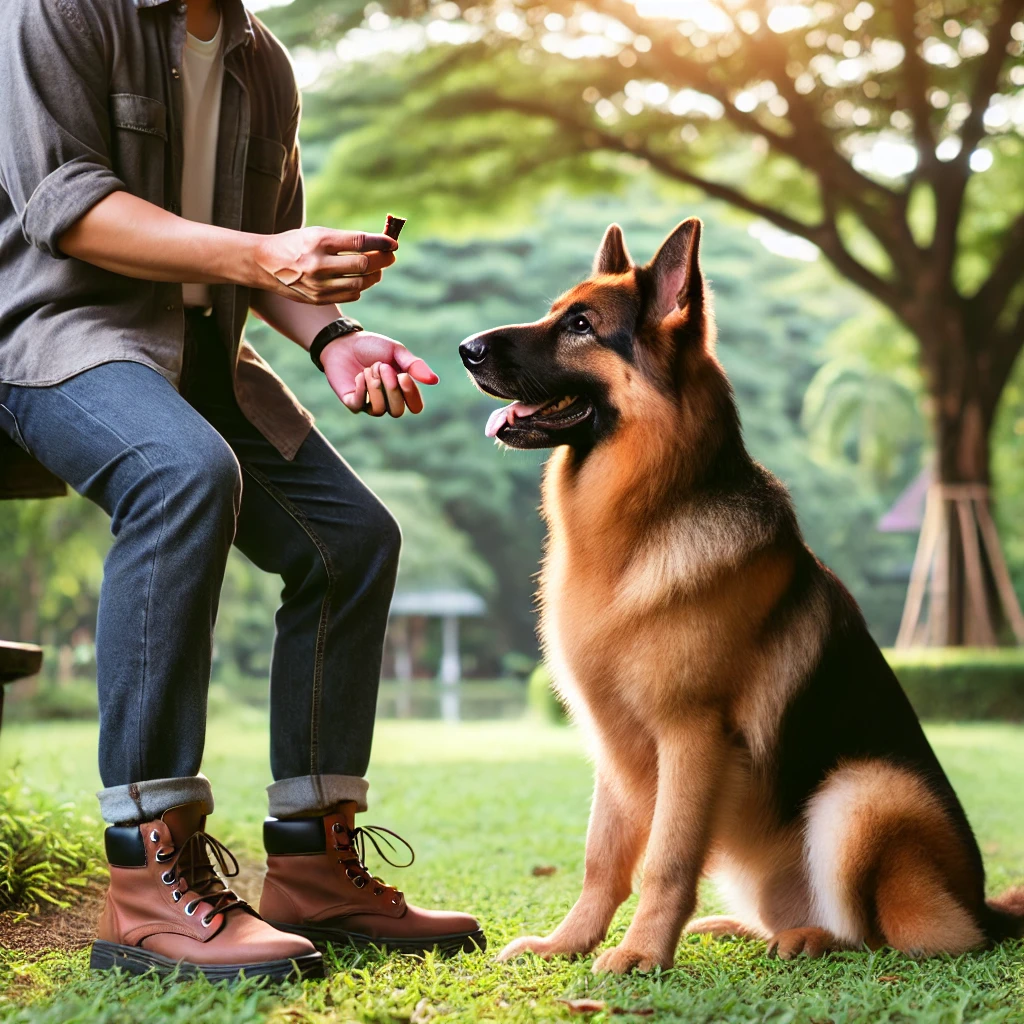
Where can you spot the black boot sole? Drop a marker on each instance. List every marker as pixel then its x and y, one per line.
pixel 445 945
pixel 136 960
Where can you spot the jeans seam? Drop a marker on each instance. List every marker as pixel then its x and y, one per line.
pixel 152 569
pixel 325 607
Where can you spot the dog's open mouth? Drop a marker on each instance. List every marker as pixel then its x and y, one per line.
pixel 555 414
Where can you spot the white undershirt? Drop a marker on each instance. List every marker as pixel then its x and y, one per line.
pixel 202 80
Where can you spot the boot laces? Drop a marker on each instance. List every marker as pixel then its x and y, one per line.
pixel 355 863
pixel 191 870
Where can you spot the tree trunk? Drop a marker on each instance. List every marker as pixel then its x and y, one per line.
pixel 969 598
pixel 962 617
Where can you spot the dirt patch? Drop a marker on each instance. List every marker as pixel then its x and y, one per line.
pixel 54 928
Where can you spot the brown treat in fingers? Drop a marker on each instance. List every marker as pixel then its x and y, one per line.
pixel 394 225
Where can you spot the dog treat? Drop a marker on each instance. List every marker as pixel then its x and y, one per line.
pixel 394 226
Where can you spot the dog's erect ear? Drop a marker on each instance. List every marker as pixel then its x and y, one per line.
pixel 613 256
pixel 675 274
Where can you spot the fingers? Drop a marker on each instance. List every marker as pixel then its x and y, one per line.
pixel 381 390
pixel 355 400
pixel 341 289
pixel 351 265
pixel 414 366
pixel 355 241
pixel 411 393
pixel 320 265
pixel 393 393
pixel 348 289
pixel 377 403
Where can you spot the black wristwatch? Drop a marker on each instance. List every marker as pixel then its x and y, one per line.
pixel 338 329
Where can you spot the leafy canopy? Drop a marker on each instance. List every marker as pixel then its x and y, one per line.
pixel 886 133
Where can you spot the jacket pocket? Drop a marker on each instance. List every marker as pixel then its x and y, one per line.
pixel 264 171
pixel 138 144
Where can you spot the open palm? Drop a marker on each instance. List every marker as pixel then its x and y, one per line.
pixel 375 374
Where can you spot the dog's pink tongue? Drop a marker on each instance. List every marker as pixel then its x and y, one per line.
pixel 507 414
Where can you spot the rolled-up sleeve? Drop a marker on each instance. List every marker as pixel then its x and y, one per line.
pixel 54 119
pixel 291 204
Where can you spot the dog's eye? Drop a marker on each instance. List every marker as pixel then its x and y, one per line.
pixel 580 325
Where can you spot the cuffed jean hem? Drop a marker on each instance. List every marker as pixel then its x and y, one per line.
pixel 311 795
pixel 145 801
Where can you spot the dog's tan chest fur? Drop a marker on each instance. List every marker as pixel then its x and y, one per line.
pixel 695 636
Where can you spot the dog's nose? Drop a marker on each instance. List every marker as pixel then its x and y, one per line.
pixel 473 351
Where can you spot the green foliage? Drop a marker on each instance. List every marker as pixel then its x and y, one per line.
pixel 484 804
pixel 458 111
pixel 53 701
pixel 773 315
pixel 52 566
pixel 962 684
pixel 435 554
pixel 46 853
pixel 1008 472
pixel 865 402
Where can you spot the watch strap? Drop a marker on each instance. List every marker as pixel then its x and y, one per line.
pixel 334 330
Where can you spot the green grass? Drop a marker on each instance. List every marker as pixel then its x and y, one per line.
pixel 484 803
pixel 46 851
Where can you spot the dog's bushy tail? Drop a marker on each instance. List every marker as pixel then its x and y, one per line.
pixel 1005 917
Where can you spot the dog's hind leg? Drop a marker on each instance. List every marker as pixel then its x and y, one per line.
pixel 616 837
pixel 886 866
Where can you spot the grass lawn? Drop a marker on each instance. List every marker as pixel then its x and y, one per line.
pixel 484 803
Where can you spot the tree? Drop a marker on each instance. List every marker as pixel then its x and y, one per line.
pixel 862 128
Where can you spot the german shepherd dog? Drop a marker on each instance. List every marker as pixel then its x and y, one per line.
pixel 742 722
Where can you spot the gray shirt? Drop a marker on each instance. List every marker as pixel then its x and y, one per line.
pixel 92 104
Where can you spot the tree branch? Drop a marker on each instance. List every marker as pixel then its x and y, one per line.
pixel 825 235
pixel 915 78
pixel 887 221
pixel 809 145
pixel 952 183
pixel 990 64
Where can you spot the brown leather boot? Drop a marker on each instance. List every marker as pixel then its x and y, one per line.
pixel 317 885
pixel 168 910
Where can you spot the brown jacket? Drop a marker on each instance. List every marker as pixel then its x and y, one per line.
pixel 93 105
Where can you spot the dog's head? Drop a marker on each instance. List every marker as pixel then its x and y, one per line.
pixel 627 339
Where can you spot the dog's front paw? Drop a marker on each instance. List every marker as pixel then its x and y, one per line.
pixel 622 960
pixel 536 944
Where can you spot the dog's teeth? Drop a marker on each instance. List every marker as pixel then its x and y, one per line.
pixel 562 403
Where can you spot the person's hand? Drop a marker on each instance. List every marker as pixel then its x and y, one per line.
pixel 320 265
pixel 371 373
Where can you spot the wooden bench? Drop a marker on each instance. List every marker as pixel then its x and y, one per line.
pixel 21 477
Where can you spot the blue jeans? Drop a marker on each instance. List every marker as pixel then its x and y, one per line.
pixel 183 476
